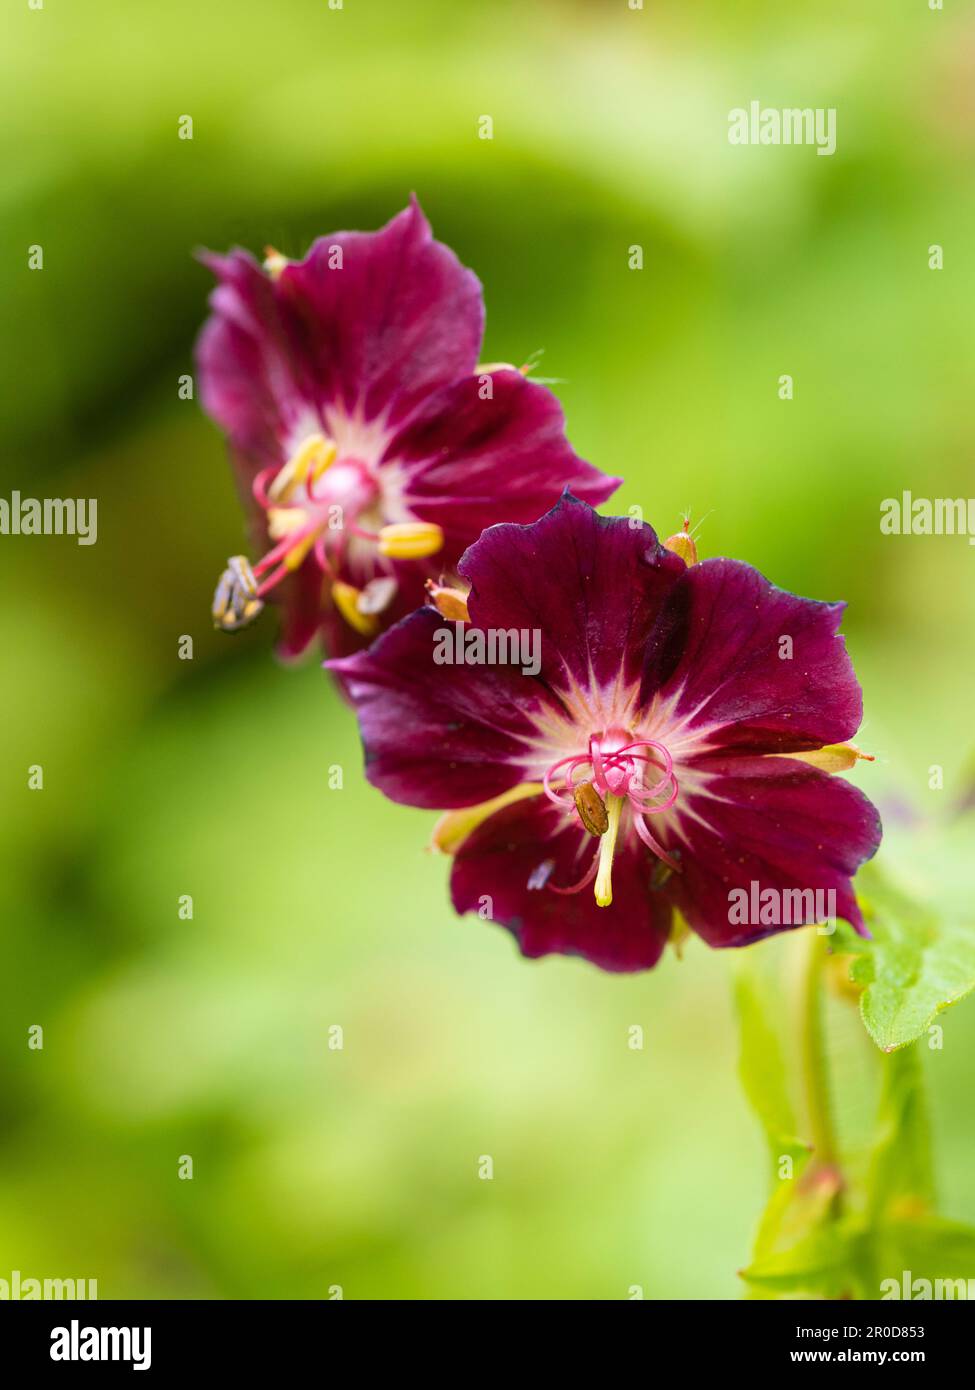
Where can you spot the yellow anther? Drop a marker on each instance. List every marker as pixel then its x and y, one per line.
pixel 679 930
pixel 296 555
pixel 274 262
pixel 410 540
pixel 309 460
pixel 346 599
pixel 607 844
pixel 235 603
pixel 281 521
pixel 486 368
pixel 591 808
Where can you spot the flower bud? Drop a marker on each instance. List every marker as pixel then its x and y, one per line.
pixel 682 544
pixel 449 603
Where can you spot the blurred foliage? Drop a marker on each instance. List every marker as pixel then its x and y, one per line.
pixel 916 963
pixel 850 1211
pixel 209 1037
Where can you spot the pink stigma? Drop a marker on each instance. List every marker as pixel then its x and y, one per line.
pixel 617 768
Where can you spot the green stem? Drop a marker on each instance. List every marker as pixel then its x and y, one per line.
pixel 814 1073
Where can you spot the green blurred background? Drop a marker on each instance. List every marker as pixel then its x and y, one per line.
pixel 163 1037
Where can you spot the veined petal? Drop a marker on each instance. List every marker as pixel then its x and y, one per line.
pixel 301 611
pixel 383 317
pixel 253 382
pixel 368 324
pixel 774 822
pixel 453 827
pixel 593 586
pixel 439 735
pixel 469 460
pixel 756 668
pixel 533 843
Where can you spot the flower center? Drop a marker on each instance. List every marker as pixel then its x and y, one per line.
pixel 616 772
pixel 314 503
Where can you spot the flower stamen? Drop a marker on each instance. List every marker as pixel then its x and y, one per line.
pixel 607 848
pixel 410 540
pixel 591 808
pixel 306 465
pixel 236 601
pixel 348 600
pixel 614 778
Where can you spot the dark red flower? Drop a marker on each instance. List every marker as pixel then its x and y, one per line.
pixel 372 446
pixel 670 742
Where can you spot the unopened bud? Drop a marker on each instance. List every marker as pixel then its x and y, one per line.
pixel 449 603
pixel 682 544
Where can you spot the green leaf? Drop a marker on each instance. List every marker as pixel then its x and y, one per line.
pixel 931 1249
pixel 820 1263
pixel 852 1258
pixel 914 966
pixel 900 1180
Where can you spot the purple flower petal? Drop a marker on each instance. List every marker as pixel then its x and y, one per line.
pixel 759 669
pixel 434 735
pixel 368 322
pixel 500 458
pixel 346 385
pixel 673 693
pixel 301 610
pixel 593 586
pixel 401 318
pixel 252 383
pixel 772 821
pixel 533 842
